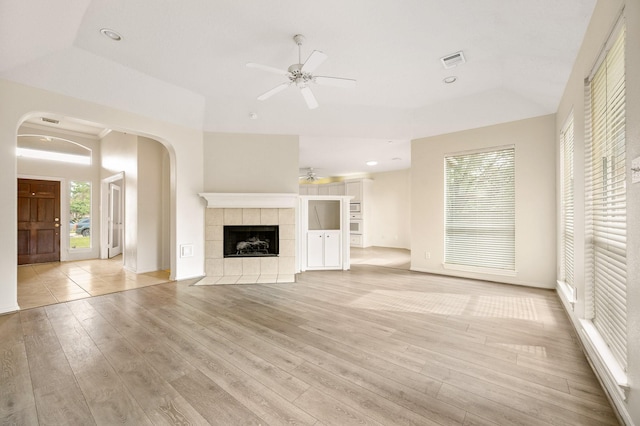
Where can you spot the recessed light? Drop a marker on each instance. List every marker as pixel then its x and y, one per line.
pixel 396 158
pixel 450 79
pixel 372 163
pixel 253 116
pixel 113 35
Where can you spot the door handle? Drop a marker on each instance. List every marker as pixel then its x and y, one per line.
pixel 57 225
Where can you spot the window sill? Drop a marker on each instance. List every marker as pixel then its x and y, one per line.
pixel 597 346
pixel 479 270
pixel 568 292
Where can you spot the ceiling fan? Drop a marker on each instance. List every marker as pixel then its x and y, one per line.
pixel 302 75
pixel 310 175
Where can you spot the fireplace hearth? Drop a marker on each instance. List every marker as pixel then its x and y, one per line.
pixel 250 241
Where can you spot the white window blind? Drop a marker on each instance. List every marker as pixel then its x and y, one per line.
pixel 606 200
pixel 480 209
pixel 567 252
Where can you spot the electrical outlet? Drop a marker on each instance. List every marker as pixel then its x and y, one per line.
pixel 427 255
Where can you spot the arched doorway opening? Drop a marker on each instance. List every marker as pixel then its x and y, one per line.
pixel 115 207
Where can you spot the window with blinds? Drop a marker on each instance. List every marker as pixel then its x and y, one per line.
pixel 567 233
pixel 606 199
pixel 480 209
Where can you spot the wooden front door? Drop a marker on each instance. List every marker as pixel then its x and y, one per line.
pixel 38 221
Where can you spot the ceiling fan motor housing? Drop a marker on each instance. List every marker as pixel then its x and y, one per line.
pixel 297 76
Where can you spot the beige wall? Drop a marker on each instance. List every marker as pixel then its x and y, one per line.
pixel 142 162
pixel 602 23
pixel 535 198
pixel 151 198
pixel 250 163
pixel 185 149
pixel 392 209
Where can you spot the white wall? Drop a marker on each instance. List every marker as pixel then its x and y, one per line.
pixel 185 148
pixel 119 153
pixel 535 198
pixel 602 22
pixel 250 163
pixel 67 172
pixel 392 209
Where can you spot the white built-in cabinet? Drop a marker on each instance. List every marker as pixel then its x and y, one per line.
pixel 353 188
pixel 324 232
pixel 323 249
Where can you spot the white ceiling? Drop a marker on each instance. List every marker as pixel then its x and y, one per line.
pixel 184 62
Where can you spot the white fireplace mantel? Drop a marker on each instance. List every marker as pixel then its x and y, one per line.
pixel 250 200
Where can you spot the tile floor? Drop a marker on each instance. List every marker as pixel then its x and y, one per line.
pixel 48 283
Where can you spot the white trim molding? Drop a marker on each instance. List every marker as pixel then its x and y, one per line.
pixel 250 200
pixel 567 292
pixel 598 349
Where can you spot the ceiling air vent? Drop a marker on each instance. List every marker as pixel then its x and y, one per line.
pixel 50 120
pixel 453 60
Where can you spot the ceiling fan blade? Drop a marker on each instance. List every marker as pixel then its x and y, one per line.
pixel 335 81
pixel 277 89
pixel 313 61
pixel 267 68
pixel 311 101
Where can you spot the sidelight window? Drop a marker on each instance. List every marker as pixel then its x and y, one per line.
pixel 80 215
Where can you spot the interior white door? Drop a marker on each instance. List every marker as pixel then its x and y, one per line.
pixel 332 249
pixel 315 248
pixel 114 220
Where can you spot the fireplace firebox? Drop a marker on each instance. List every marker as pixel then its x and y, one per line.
pixel 250 240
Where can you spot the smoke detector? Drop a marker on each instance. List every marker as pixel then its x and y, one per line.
pixel 453 60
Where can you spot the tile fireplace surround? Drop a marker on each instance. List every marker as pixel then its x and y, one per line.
pixel 249 209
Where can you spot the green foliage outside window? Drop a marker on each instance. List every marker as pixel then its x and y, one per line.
pixel 80 200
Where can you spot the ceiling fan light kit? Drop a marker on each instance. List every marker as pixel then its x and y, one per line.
pixel 310 175
pixel 301 75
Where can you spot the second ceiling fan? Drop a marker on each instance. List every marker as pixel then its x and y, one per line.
pixel 301 75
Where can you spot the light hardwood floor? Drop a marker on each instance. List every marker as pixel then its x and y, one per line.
pixel 381 256
pixel 376 346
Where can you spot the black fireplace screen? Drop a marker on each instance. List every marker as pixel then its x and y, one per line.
pixel 250 241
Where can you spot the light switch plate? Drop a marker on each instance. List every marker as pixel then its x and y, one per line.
pixel 635 170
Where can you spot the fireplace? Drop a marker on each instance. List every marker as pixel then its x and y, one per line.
pixel 250 210
pixel 250 241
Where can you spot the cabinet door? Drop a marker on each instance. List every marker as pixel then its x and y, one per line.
pixel 354 189
pixel 332 248
pixel 337 189
pixel 324 189
pixel 355 240
pixel 315 248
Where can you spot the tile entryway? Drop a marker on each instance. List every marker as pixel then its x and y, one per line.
pixel 49 283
